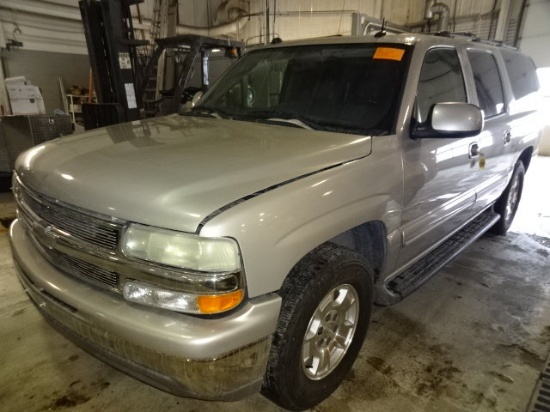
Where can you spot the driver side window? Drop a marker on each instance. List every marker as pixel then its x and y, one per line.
pixel 441 80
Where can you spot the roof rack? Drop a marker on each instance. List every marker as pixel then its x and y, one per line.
pixel 472 37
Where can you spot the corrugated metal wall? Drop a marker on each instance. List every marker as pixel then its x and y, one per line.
pixel 314 18
pixel 293 19
pixel 55 25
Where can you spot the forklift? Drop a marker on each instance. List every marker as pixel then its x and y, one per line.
pixel 135 79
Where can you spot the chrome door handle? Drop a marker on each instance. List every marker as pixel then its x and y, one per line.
pixel 507 137
pixel 474 150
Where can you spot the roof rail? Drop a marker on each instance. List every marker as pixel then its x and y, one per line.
pixel 472 37
pixel 464 34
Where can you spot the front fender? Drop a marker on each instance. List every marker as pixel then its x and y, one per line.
pixel 277 228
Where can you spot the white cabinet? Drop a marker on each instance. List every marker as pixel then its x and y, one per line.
pixel 74 103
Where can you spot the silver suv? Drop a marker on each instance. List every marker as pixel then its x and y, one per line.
pixel 240 246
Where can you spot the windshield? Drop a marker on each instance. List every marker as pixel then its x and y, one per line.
pixel 351 88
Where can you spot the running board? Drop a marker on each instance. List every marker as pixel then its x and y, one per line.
pixel 413 277
pixel 540 400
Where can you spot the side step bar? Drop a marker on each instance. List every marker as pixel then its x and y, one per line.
pixel 413 277
pixel 540 401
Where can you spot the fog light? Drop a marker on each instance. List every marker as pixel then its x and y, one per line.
pixel 151 295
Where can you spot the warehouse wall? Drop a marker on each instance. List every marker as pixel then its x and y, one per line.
pixel 534 40
pixel 314 18
pixel 43 70
pixel 53 27
pixel 55 24
pixel 535 34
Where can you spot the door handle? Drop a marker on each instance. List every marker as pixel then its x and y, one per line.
pixel 473 150
pixel 507 137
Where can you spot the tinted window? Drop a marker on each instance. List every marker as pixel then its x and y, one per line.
pixel 342 88
pixel 522 73
pixel 488 82
pixel 441 80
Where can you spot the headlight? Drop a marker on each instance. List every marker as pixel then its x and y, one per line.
pixel 181 250
pixel 198 275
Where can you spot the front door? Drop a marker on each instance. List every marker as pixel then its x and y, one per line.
pixel 440 176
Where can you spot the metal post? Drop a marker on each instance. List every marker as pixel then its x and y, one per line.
pixel 267 34
pixel 205 71
pixel 502 24
pixel 4 101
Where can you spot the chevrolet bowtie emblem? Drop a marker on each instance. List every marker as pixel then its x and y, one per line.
pixel 45 235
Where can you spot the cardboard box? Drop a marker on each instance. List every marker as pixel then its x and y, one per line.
pixel 28 106
pixel 24 97
pixel 16 81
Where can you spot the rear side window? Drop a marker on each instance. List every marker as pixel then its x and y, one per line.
pixel 441 80
pixel 522 72
pixel 488 82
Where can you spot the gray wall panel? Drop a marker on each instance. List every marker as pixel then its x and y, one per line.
pixel 535 32
pixel 43 70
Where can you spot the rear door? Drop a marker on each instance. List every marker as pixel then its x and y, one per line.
pixel 494 160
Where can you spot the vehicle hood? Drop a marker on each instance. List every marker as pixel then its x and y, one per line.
pixel 174 171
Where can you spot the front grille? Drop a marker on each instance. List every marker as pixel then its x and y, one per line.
pixel 86 231
pixel 83 269
pixel 95 231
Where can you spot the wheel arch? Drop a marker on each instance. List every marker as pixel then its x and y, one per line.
pixel 310 282
pixel 369 241
pixel 526 156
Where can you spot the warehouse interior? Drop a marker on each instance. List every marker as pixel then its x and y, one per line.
pixel 475 337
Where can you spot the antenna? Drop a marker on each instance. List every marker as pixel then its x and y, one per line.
pixel 382 31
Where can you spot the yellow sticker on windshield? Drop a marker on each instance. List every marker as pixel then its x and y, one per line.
pixel 388 53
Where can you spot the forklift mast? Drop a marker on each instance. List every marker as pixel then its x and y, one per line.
pixel 113 53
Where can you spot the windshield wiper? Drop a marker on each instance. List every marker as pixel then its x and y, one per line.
pixel 211 111
pixel 285 118
pixel 289 122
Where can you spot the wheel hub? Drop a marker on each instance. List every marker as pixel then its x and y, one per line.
pixel 513 197
pixel 330 331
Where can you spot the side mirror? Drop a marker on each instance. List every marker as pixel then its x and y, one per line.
pixel 193 102
pixel 196 97
pixel 450 120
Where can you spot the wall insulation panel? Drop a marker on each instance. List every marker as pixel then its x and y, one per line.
pixel 43 70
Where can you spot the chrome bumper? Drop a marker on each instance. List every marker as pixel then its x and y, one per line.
pixel 217 359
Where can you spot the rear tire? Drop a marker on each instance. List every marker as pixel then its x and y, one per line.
pixel 327 301
pixel 507 204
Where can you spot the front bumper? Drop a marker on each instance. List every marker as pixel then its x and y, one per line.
pixel 220 358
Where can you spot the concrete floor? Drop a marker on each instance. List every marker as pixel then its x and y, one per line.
pixel 474 338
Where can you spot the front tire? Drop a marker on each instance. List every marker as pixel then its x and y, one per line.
pixel 327 301
pixel 507 204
